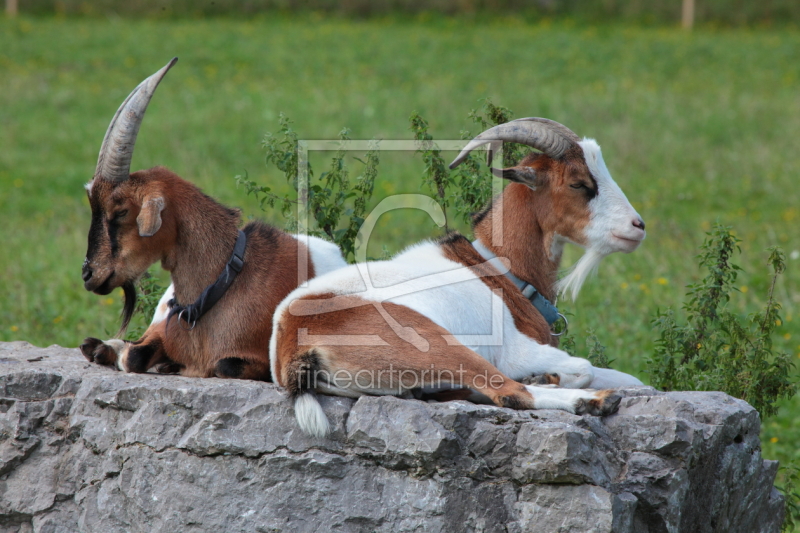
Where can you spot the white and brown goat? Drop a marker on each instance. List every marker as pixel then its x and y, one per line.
pixel 422 319
pixel 154 215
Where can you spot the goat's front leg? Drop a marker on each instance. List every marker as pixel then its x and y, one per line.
pixel 104 353
pixel 538 364
pixel 139 356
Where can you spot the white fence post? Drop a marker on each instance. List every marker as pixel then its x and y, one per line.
pixel 687 14
pixel 11 8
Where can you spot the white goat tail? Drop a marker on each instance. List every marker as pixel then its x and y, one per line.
pixel 310 416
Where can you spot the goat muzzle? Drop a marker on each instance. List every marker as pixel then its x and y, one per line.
pixel 86 272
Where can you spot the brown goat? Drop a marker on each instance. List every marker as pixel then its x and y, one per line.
pixel 154 215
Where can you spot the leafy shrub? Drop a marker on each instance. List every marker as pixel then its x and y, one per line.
pixel 715 349
pixel 337 208
pixel 149 291
pixel 595 351
pixel 467 188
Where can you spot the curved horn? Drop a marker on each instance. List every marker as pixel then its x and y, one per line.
pixel 114 161
pixel 547 136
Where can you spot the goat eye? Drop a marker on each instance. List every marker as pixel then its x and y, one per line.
pixel 578 186
pixel 120 214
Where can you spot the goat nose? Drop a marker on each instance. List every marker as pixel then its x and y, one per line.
pixel 86 273
pixel 639 223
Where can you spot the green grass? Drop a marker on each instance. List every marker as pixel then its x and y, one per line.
pixel 695 128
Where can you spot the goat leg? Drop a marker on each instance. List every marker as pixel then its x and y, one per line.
pixel 102 353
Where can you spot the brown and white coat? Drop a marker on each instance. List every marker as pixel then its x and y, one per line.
pixel 442 314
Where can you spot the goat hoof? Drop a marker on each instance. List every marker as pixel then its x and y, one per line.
pixel 96 351
pixel 88 347
pixel 542 379
pixel 168 368
pixel 607 404
pixel 230 367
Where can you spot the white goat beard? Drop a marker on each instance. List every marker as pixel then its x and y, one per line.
pixel 573 281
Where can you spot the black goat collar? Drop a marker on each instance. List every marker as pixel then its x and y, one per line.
pixel 211 294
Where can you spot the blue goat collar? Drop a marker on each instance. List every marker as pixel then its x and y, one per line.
pixel 542 304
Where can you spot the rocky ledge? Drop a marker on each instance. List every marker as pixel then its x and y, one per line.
pixel 85 448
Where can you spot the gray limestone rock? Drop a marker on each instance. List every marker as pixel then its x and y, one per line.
pixel 87 448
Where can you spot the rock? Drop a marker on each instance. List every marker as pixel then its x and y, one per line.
pixel 86 448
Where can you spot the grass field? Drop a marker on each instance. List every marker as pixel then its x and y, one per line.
pixel 695 128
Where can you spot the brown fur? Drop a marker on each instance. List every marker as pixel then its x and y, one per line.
pixel 413 368
pixel 194 242
pixel 533 212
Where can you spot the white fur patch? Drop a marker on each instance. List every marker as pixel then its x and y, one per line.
pixel 607 378
pixel 611 217
pixel 561 399
pixel 121 347
pixel 88 186
pixel 310 416
pixel 325 255
pixel 162 309
pixel 451 296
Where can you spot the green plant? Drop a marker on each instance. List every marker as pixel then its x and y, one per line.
pixel 337 208
pixel 717 350
pixel 149 291
pixel 595 350
pixel 281 151
pixel 467 188
pixel 436 176
pixel 494 115
pixel 789 485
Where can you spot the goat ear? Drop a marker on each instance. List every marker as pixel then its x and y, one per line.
pixel 525 175
pixel 149 219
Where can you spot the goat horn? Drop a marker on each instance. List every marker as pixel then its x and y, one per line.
pixel 547 136
pixel 114 161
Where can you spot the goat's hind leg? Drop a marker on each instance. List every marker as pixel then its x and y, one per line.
pixel 243 366
pixel 462 368
pixel 578 401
